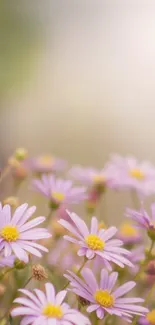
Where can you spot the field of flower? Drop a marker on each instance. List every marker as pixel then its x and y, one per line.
pixel 67 269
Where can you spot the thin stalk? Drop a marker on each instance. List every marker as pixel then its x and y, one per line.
pixel 77 273
pixel 142 268
pixel 26 283
pixel 2 275
pixel 4 173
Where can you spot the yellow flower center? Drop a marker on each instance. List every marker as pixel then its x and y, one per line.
pixel 10 233
pixel 104 298
pixel 137 173
pixel 47 161
pixel 94 242
pixel 151 317
pixel 98 179
pixel 58 196
pixel 127 230
pixel 53 311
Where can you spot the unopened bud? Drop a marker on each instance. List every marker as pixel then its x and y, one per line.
pixel 18 264
pixel 39 273
pixel 151 268
pixel 12 201
pixel 20 173
pixel 21 154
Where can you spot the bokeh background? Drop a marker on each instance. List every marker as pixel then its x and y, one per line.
pixel 78 79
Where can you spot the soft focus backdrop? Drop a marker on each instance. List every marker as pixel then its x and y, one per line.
pixel 90 87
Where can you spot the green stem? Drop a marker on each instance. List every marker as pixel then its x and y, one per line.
pixel 26 283
pixel 142 268
pixel 4 173
pixel 2 275
pixel 48 218
pixel 77 273
pixel 151 247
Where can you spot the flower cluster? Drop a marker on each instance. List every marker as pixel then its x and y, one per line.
pixel 91 264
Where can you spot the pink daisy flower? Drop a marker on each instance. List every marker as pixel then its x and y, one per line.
pixel 129 234
pixel 47 308
pixel 7 261
pixel 149 319
pixel 17 235
pixel 102 297
pixel 92 177
pixel 143 220
pixel 96 241
pixel 45 164
pixel 59 191
pixel 128 173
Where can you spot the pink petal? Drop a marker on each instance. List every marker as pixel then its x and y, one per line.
pixel 124 289
pixel 27 320
pixel 104 279
pixel 18 213
pixel 19 252
pixel 50 292
pixel 94 225
pixel 7 213
pixel 27 215
pixel 90 279
pixel 109 233
pixel 60 297
pixel 23 311
pixel 69 227
pixel 32 223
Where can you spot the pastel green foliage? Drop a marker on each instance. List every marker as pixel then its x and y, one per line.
pixel 18 44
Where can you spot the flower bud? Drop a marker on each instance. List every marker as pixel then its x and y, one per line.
pixel 151 268
pixel 39 273
pixel 21 154
pixel 19 265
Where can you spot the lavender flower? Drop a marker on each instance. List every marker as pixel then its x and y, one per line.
pixel 129 234
pixel 7 261
pixel 17 235
pixel 47 308
pixel 91 177
pixel 102 297
pixel 128 173
pixel 45 164
pixel 143 220
pixel 96 242
pixel 59 191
